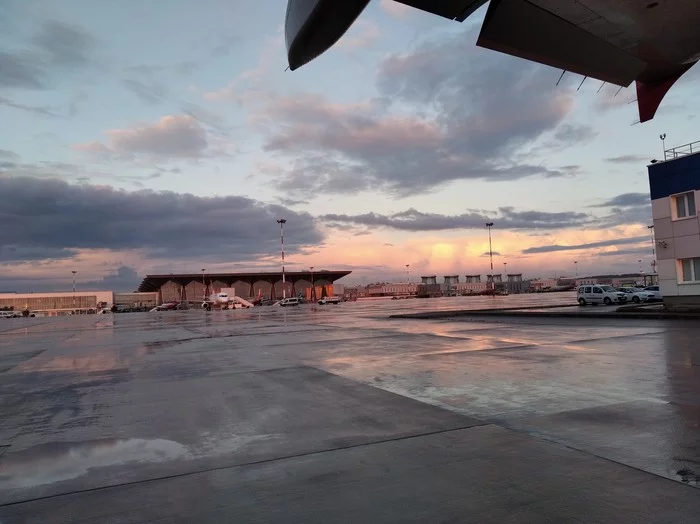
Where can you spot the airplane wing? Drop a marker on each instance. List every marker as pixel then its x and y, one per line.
pixel 617 41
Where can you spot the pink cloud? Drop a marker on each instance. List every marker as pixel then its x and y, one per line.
pixel 173 135
pixel 394 8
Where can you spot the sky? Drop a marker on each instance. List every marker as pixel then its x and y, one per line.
pixel 159 137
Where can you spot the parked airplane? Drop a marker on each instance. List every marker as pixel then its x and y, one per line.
pixel 616 41
pixel 167 306
pixel 222 300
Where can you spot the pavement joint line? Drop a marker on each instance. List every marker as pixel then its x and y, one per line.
pixel 553 440
pixel 245 464
pixel 596 339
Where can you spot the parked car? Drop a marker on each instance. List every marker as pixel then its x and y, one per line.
pixel 291 301
pixel 656 293
pixel 330 300
pixel 598 294
pixel 637 295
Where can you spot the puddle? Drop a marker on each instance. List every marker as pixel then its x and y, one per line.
pixel 59 461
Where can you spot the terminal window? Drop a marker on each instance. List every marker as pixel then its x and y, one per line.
pixel 690 269
pixel 684 205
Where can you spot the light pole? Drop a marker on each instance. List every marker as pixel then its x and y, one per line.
pixel 505 269
pixel 408 276
pixel 204 287
pixel 653 249
pixel 282 222
pixel 74 272
pixel 313 289
pixel 663 143
pixel 641 271
pixel 489 225
pixel 576 266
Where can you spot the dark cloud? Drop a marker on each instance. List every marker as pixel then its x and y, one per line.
pixel 592 245
pixel 57 217
pixel 626 200
pixel 149 91
pixel 37 110
pixel 474 111
pixel 292 201
pixel 627 208
pixel 494 253
pixel 641 251
pixel 570 135
pixel 629 159
pixel 17 70
pixel 124 279
pixel 8 154
pixel 16 253
pixel 65 45
pixel 507 218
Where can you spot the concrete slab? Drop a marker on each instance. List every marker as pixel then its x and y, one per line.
pixel 482 475
pixel 185 424
pixel 654 436
pixel 101 402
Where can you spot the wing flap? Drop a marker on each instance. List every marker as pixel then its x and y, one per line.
pixel 522 29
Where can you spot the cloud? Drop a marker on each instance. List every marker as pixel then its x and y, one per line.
pixel 629 159
pixel 569 135
pixel 124 278
pixel 171 136
pixel 494 253
pixel 626 200
pixel 395 8
pixel 362 34
pixel 507 218
pixel 14 253
pixel 150 92
pixel 592 245
pixel 470 113
pixel 291 201
pixel 8 154
pixel 612 97
pixel 641 251
pixel 51 218
pixel 37 110
pixel 65 45
pixel 19 71
pixel 627 208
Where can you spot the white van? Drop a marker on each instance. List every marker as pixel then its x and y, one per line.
pixel 597 294
pixel 292 301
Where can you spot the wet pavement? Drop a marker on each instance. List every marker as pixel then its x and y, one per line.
pixel 337 413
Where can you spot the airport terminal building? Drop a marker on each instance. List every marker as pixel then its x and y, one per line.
pixel 675 196
pixel 193 287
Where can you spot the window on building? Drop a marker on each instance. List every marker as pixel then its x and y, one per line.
pixel 690 270
pixel 684 205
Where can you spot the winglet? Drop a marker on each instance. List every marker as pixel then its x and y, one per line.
pixel 651 94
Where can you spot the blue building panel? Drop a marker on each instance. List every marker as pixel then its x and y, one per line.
pixel 674 176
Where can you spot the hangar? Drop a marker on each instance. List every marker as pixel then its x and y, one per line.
pixel 196 286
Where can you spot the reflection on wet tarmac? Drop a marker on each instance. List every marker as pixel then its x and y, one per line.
pixel 196 388
pixel 58 461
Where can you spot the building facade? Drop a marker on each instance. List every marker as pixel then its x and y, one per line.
pixel 57 303
pixel 542 284
pixel 675 195
pixel 391 289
